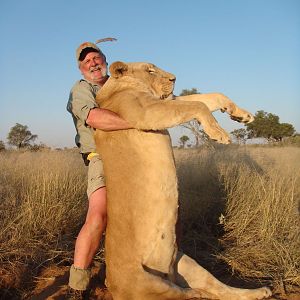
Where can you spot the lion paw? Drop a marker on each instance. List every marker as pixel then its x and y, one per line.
pixel 238 114
pixel 266 292
pixel 245 118
pixel 262 293
pixel 246 294
pixel 217 134
pixel 235 113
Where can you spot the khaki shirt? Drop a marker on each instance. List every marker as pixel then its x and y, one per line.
pixel 81 101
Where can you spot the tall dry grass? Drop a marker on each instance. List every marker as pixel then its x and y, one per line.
pixel 42 206
pixel 239 210
pixel 241 204
pixel 262 224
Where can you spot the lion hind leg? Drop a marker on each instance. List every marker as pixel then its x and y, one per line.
pixel 147 284
pixel 191 274
pixel 156 287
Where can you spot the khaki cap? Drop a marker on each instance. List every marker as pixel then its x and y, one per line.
pixel 86 45
pixel 91 45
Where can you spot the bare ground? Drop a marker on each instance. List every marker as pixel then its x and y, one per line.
pixel 52 285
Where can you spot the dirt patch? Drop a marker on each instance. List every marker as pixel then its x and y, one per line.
pixel 52 284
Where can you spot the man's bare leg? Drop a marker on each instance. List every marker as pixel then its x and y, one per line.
pixel 88 240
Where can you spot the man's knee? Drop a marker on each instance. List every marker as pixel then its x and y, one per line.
pixel 97 214
pixel 96 223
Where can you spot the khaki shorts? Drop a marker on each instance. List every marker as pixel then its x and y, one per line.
pixel 95 175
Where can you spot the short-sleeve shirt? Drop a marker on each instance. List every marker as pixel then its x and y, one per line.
pixel 81 101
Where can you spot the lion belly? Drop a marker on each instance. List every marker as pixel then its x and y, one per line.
pixel 142 202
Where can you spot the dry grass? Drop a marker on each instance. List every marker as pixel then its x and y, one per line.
pixel 255 189
pixel 262 224
pixel 256 192
pixel 42 205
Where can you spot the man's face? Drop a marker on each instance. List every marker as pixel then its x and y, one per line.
pixel 94 68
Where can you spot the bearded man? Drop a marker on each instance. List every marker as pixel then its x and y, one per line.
pixel 87 117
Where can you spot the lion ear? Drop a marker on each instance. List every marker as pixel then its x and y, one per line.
pixel 118 69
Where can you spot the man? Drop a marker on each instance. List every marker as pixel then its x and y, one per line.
pixel 87 117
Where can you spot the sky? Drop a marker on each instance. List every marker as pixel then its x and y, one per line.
pixel 247 49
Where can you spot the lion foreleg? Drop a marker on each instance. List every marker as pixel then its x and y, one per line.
pixel 218 101
pixel 158 115
pixel 191 274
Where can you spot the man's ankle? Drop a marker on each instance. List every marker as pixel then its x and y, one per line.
pixel 79 278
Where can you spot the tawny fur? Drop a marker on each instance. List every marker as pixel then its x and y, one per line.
pixel 142 259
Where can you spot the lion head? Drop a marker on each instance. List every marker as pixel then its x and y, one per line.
pixel 145 75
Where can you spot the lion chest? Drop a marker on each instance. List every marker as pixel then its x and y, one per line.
pixel 141 178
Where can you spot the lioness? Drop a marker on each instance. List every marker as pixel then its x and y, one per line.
pixel 141 253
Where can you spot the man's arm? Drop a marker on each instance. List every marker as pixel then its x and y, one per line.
pixel 106 120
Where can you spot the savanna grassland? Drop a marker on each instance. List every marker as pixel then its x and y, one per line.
pixel 239 210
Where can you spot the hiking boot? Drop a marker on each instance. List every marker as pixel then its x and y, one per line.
pixel 77 294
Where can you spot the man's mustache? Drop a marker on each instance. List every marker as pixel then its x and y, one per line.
pixel 96 68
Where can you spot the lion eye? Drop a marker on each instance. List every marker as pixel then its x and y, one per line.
pixel 151 71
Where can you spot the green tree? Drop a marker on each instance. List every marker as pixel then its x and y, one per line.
pixel 20 136
pixel 267 125
pixel 2 146
pixel 240 135
pixel 183 140
pixel 283 130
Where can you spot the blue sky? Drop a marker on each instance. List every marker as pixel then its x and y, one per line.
pixel 246 49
